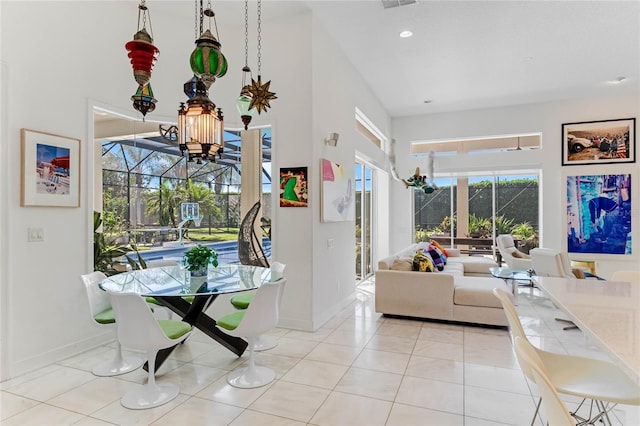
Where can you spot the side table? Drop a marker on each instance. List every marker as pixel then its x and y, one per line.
pixel 510 276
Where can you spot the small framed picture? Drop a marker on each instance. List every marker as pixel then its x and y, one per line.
pixel 50 175
pixel 599 142
pixel 293 187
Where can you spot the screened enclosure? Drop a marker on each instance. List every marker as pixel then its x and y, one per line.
pixel 145 179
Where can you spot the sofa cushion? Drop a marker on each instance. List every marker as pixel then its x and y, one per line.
pixel 474 264
pixel 477 291
pixel 455 269
pixel 402 264
pixel 408 252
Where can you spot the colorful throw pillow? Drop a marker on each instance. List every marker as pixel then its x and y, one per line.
pixel 422 262
pixel 436 257
pixel 439 247
pixel 442 255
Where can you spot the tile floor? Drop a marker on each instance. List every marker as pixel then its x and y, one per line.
pixel 359 369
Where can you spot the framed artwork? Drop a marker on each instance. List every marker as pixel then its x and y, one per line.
pixel 50 175
pixel 293 187
pixel 599 214
pixel 338 200
pixel 599 142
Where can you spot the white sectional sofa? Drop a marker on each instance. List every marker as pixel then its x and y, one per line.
pixel 462 292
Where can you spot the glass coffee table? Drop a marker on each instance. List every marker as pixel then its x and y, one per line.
pixel 512 277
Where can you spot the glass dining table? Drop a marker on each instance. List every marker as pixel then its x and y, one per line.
pixel 189 297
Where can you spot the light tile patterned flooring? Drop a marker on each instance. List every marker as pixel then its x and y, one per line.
pixel 359 369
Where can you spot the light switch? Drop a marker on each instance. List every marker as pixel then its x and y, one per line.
pixel 330 243
pixel 35 235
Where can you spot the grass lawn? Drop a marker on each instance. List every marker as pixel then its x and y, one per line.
pixel 217 234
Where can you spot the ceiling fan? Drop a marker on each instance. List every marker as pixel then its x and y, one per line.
pixel 517 148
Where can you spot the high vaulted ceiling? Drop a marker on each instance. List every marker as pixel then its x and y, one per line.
pixel 478 54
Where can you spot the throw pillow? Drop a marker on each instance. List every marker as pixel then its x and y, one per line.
pixel 422 262
pixel 422 245
pixel 402 264
pixel 517 254
pixel 439 247
pixel 441 254
pixel 436 257
pixel 578 273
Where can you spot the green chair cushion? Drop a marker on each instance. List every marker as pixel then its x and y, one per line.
pixel 174 328
pixel 242 301
pixel 231 321
pixel 153 301
pixel 105 317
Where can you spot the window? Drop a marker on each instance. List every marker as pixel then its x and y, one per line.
pixel 480 206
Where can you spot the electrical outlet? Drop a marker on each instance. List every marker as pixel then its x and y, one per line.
pixel 35 235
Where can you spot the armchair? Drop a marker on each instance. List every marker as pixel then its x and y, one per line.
pixel 514 258
pixel 551 263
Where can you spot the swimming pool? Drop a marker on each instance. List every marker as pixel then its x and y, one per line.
pixel 227 251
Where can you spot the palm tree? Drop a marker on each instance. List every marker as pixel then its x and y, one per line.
pixel 166 204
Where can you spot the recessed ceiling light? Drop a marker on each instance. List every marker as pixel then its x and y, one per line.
pixel 406 33
pixel 617 80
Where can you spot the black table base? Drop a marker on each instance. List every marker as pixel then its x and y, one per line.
pixel 193 313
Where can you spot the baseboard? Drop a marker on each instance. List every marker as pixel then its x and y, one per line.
pixel 312 325
pixel 58 354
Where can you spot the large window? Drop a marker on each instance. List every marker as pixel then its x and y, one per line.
pixel 480 207
pixel 145 179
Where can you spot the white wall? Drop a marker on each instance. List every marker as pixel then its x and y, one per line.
pixel 545 118
pixel 53 70
pixel 337 92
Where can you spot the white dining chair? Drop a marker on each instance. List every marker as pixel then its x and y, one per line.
pixel 139 329
pixel 242 301
pixel 557 412
pixel 102 316
pixel 157 306
pixel 600 381
pixel 261 316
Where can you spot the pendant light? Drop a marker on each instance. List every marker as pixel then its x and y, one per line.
pixel 143 55
pixel 244 100
pixel 260 94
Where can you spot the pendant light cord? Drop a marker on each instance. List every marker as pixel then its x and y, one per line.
pixel 259 36
pixel 246 33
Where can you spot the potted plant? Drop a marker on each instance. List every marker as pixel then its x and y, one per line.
pixel 197 259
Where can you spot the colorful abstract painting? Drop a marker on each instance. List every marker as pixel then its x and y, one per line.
pixel 293 187
pixel 338 201
pixel 599 214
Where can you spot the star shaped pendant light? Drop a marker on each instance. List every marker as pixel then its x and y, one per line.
pixel 257 94
pixel 260 95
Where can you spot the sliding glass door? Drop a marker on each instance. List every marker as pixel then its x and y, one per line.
pixel 481 207
pixel 364 221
